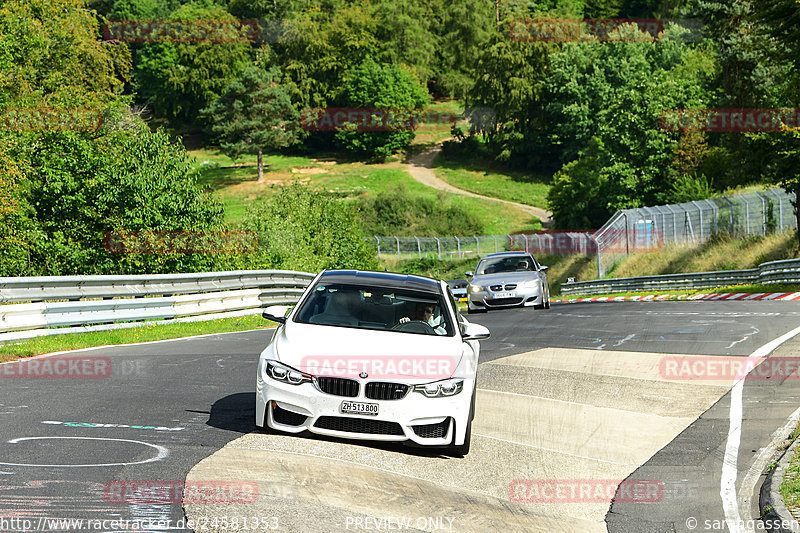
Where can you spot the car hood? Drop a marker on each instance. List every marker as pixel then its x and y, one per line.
pixel 309 347
pixel 504 277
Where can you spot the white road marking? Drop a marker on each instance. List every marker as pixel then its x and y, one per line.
pixel 727 482
pixel 162 452
pixel 623 341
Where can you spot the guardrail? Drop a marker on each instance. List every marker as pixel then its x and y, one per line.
pixel 787 271
pixel 66 304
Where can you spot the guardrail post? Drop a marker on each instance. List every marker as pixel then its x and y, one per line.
pixel 439 247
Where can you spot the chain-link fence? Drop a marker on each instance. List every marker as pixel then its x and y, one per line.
pixel 442 248
pixel 628 231
pixel 647 228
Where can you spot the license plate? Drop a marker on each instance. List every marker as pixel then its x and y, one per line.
pixel 504 294
pixel 359 408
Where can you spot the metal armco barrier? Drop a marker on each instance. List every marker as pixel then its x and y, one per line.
pixel 787 271
pixel 93 300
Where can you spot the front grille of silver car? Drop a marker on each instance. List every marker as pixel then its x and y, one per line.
pixel 508 287
pixel 338 386
pixel 377 390
pixel 358 425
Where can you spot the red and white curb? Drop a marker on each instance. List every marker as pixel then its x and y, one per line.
pixel 783 296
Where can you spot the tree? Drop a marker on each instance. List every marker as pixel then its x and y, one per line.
pixel 304 229
pixel 178 79
pixel 254 114
pixel 381 86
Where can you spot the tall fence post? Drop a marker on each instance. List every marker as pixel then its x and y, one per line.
pixel 478 243
pixel 730 205
pixel 746 212
pixel 458 243
pixel 780 208
pixel 763 212
pixel 419 247
pixel 495 243
pixel 379 244
pixel 700 210
pixel 398 246
pixel 439 247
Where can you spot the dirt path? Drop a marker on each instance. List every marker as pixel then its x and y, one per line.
pixel 421 169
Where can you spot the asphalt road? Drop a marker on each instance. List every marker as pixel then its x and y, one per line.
pixel 166 406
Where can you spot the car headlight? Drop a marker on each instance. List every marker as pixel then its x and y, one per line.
pixel 530 283
pixel 285 374
pixel 438 389
pixel 475 288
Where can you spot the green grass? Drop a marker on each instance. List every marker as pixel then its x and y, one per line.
pixel 237 189
pixel 76 341
pixel 483 177
pixel 718 253
pixel 790 488
pixel 733 289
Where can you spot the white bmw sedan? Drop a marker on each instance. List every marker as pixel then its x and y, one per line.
pixel 372 355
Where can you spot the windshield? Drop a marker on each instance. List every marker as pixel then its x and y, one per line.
pixel 493 265
pixel 376 308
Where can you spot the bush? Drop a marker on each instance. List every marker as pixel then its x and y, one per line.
pixel 396 211
pixel 303 229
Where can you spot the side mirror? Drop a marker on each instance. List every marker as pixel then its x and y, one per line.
pixel 543 268
pixel 474 332
pixel 470 274
pixel 276 313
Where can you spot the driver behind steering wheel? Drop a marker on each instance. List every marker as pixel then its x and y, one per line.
pixel 424 313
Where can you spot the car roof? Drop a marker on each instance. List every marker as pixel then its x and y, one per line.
pixel 381 279
pixel 501 254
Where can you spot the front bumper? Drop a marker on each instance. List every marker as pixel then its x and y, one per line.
pixel 487 299
pixel 414 417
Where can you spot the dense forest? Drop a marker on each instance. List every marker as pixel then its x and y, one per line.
pixel 586 111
